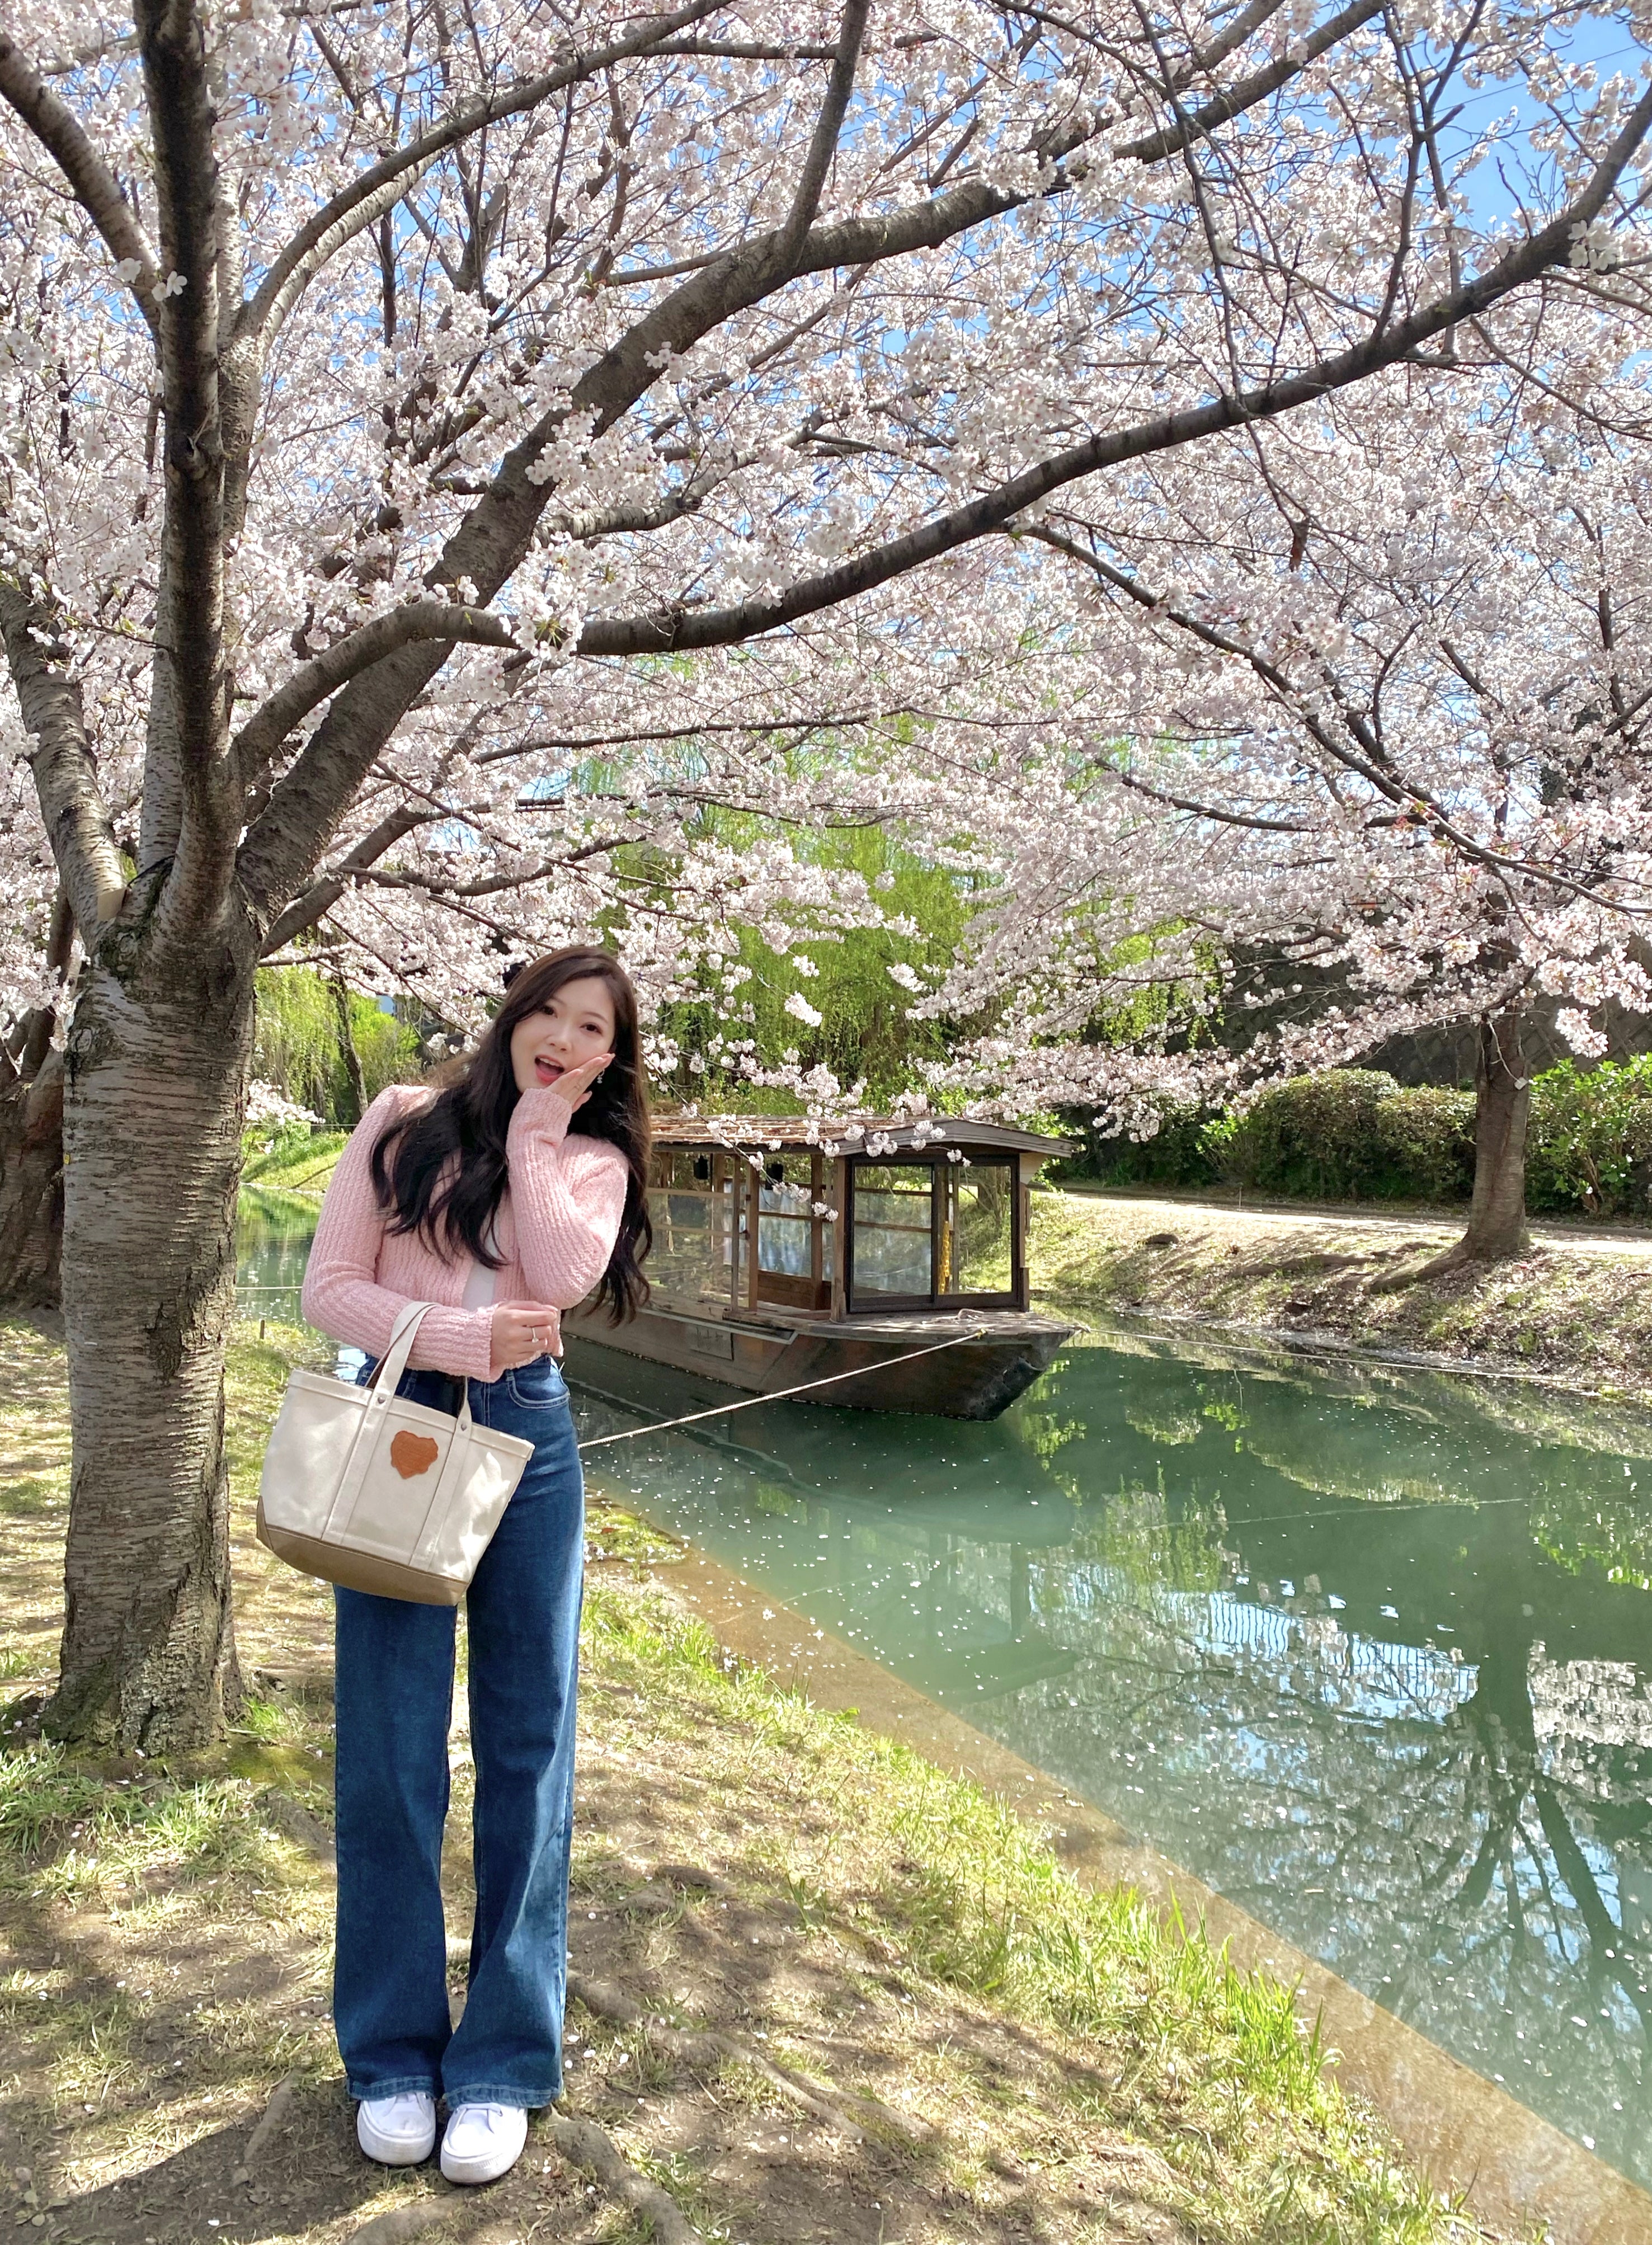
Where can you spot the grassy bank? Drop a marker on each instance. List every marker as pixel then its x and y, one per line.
pixel 827 1991
pixel 291 1160
pixel 1557 1310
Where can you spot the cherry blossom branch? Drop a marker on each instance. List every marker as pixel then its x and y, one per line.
pixel 1248 20
pixel 284 845
pixel 1127 778
pixel 318 900
pixel 749 50
pixel 498 529
pixel 378 188
pixel 65 771
pixel 822 144
pixel 260 737
pixel 94 186
pixel 1204 60
pixel 1245 92
pixel 1408 796
pixel 424 810
pixel 494 884
pixel 582 743
pixel 674 630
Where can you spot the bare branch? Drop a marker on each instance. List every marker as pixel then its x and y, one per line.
pixel 94 188
pixel 189 729
pixel 269 725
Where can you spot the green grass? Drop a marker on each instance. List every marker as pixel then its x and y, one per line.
pixel 41 1793
pixel 68 1830
pixel 296 1161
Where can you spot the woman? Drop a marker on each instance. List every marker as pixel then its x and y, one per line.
pixel 482 1200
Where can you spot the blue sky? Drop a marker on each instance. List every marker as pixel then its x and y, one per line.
pixel 1607 45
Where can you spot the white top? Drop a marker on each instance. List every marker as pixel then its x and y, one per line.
pixel 482 1284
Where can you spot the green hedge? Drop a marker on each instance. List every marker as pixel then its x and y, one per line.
pixel 1350 1134
pixel 1354 1134
pixel 1591 1142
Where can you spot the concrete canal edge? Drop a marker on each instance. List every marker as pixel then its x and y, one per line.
pixel 1469 2137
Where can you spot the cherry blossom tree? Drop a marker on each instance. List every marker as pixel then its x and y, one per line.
pixel 1375 720
pixel 390 389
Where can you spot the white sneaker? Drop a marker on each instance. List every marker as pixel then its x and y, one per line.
pixel 398 2131
pixel 483 2141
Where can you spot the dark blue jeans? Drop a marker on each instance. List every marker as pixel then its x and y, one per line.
pixel 395 1697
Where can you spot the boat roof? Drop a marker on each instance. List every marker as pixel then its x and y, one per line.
pixel 856 1134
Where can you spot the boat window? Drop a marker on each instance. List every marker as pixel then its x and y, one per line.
pixel 893 1246
pixel 786 1220
pixel 691 1201
pixel 975 1228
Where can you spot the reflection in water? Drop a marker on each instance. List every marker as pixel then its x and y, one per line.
pixel 1370 1652
pixel 273 1235
pixel 1349 1647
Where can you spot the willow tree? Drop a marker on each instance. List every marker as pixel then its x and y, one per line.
pixel 386 390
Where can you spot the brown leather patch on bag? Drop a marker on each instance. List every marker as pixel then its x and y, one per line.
pixel 412 1454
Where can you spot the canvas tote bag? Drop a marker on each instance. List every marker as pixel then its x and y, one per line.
pixel 367 1489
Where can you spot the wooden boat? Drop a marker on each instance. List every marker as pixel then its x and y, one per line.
pixel 787 1253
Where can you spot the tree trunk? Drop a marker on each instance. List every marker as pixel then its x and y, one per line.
pixel 31 1190
pixel 1496 1226
pixel 354 1105
pixel 1502 1109
pixel 155 1092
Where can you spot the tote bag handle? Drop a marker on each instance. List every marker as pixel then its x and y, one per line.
pixel 386 1377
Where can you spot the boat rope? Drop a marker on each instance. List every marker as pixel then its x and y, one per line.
pixel 779 1394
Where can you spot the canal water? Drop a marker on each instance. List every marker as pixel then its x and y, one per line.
pixel 1369 1651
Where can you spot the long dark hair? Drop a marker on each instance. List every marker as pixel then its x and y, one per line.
pixel 451 1204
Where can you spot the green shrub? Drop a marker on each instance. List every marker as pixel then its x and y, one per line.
pixel 1178 1157
pixel 1590 1147
pixel 1346 1133
pixel 1349 1134
pixel 1354 1134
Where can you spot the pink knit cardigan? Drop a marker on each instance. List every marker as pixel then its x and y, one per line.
pixel 556 1229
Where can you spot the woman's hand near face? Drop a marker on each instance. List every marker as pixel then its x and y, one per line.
pixel 521 1331
pixel 574 1084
